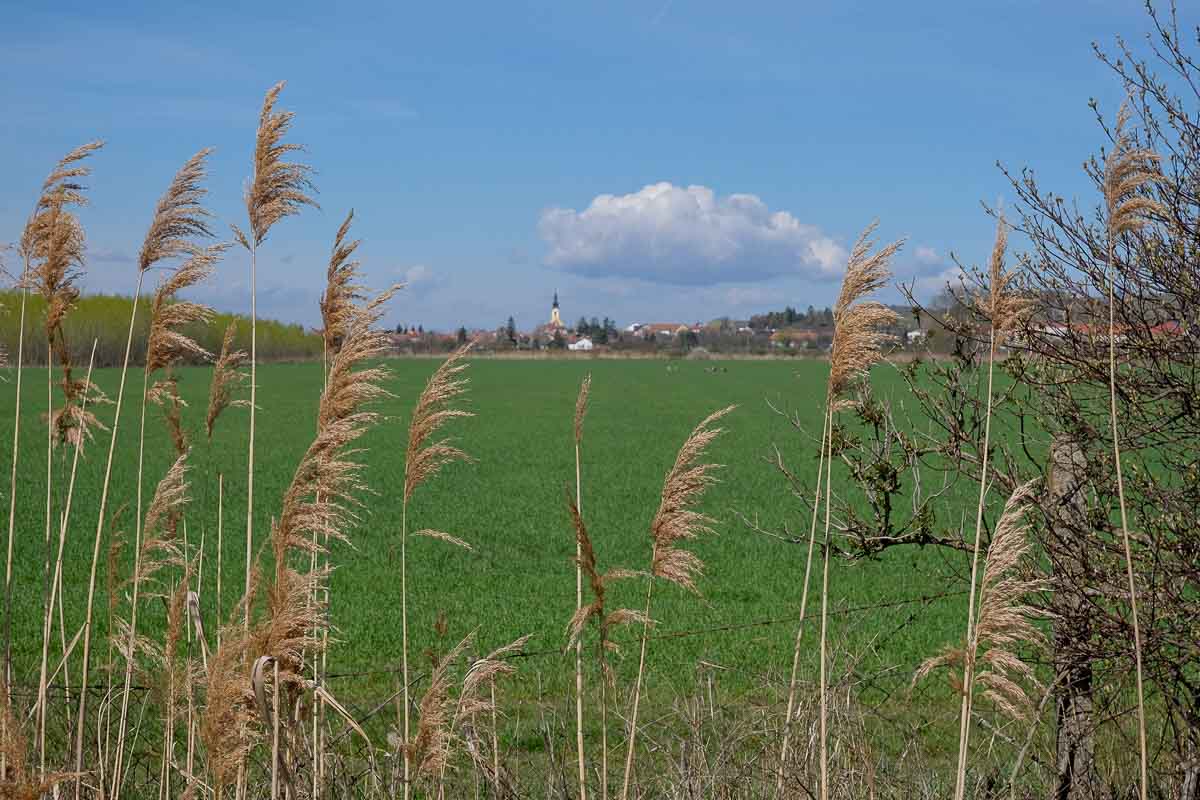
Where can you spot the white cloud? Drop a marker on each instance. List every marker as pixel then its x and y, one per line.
pixel 670 234
pixel 419 279
pixel 927 256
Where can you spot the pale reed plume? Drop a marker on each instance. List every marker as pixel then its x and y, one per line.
pixel 278 189
pixel 430 749
pixel 318 506
pixel 226 377
pixel 423 459
pixel 857 345
pixel 482 673
pixel 676 521
pixel 604 621
pixel 341 294
pixel 168 345
pixel 52 246
pixel 581 405
pixel 1004 623
pixel 1129 173
pixel 56 191
pixel 858 340
pixel 178 215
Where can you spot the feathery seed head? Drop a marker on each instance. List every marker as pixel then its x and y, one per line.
pixel 857 340
pixel 225 378
pixel 178 216
pixel 341 293
pixel 167 346
pixel 424 459
pixel 1129 170
pixel 676 519
pixel 1003 306
pixel 279 188
pixel 1004 622
pixel 581 405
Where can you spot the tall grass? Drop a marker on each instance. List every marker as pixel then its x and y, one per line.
pixel 857 343
pixel 675 522
pixel 423 459
pixel 1128 172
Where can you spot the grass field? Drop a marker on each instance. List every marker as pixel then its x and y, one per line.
pixel 510 506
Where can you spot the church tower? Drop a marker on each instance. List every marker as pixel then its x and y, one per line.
pixel 555 319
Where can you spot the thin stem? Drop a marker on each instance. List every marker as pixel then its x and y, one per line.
pixel 964 721
pixel 637 691
pixel 812 538
pixel 56 582
pixel 131 640
pixel 1112 401
pixel 253 408
pixel 579 642
pixel 404 638
pixel 12 511
pixel 87 625
pixel 46 589
pixel 825 612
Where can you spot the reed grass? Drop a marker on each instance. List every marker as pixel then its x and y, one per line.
pixel 581 404
pixel 1129 172
pixel 675 522
pixel 423 459
pixel 857 345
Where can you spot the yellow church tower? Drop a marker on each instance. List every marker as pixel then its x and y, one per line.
pixel 555 319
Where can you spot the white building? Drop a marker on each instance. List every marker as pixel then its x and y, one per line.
pixel 582 344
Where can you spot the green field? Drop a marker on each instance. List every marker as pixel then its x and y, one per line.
pixel 510 506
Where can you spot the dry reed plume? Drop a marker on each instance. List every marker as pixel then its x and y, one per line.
pixel 226 377
pixel 676 521
pixel 278 189
pixel 52 246
pixel 1129 171
pixel 1003 623
pixel 857 344
pixel 317 507
pixel 423 459
pixel 341 293
pixel 441 713
pixel 177 216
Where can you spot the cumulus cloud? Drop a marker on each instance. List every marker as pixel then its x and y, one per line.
pixel 690 236
pixel 419 280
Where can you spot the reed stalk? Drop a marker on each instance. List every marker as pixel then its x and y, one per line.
pixel 581 404
pixel 675 521
pixel 857 344
pixel 423 460
pixel 1129 171
pixel 812 537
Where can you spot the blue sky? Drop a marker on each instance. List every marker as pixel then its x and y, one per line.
pixel 663 160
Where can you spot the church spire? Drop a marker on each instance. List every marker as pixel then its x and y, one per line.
pixel 555 304
pixel 555 319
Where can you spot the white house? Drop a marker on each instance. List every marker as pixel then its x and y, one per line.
pixel 583 344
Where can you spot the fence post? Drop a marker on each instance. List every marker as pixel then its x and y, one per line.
pixel 1075 745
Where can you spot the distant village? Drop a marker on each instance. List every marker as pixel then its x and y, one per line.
pixel 786 332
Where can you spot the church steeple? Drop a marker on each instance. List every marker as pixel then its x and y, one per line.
pixel 555 319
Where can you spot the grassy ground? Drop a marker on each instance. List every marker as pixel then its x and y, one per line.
pixel 510 506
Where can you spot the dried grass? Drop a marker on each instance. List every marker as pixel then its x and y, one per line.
pixel 226 377
pixel 1004 624
pixel 280 188
pixel 424 458
pixel 1129 173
